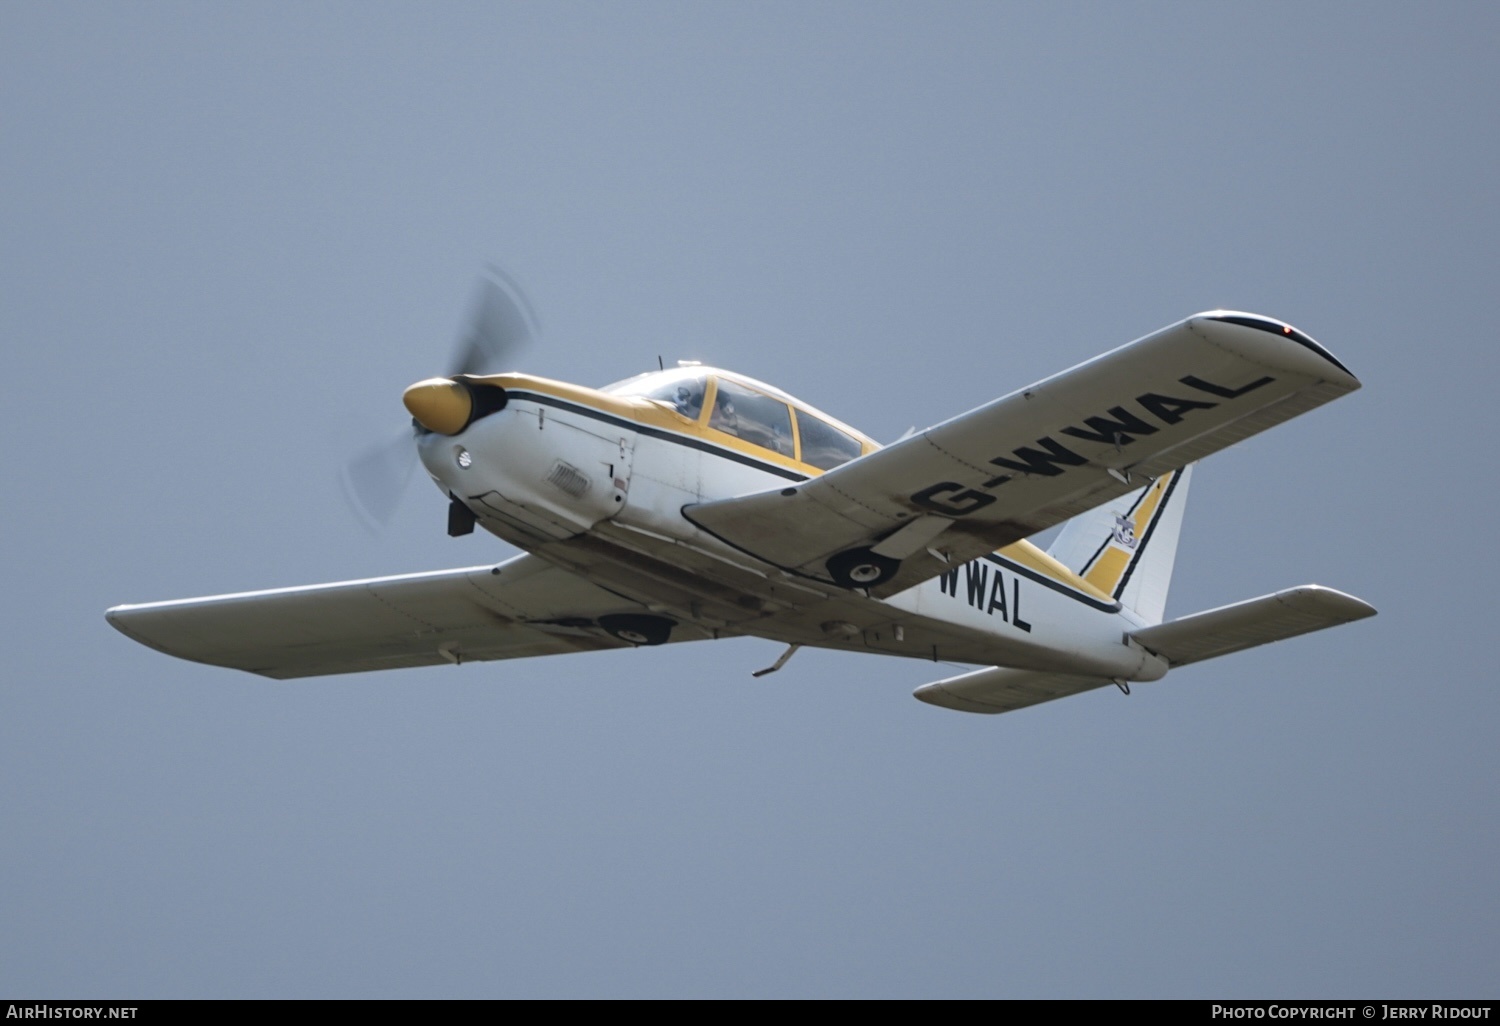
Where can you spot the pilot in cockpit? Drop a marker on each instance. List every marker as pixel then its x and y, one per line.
pixel 724 418
pixel 688 399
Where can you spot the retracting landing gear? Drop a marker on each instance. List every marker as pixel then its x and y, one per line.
pixel 861 568
pixel 637 628
pixel 460 518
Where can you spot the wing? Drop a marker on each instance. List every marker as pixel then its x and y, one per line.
pixel 524 607
pixel 1036 457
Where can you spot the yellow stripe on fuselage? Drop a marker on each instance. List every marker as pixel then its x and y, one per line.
pixel 1033 558
pixel 650 413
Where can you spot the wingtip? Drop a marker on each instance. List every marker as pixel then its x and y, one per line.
pixel 1265 339
pixel 1347 607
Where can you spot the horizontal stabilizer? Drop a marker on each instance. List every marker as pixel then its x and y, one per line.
pixel 1257 621
pixel 998 690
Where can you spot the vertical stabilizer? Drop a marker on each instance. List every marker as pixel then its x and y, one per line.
pixel 1127 547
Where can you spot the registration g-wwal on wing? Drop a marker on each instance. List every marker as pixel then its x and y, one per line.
pixel 694 503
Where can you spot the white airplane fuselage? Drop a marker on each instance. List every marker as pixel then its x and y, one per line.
pixel 693 503
pixel 596 483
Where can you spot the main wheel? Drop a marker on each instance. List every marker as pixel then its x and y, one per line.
pixel 861 568
pixel 637 628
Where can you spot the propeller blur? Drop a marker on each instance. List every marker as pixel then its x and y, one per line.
pixel 500 325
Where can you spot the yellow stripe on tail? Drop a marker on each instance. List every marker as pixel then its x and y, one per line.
pixel 1127 548
pixel 1107 571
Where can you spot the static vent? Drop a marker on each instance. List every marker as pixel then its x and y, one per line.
pixel 568 478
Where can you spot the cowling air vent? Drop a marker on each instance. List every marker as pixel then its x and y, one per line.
pixel 568 478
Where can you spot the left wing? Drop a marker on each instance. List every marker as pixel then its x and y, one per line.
pixel 523 607
pixel 1016 466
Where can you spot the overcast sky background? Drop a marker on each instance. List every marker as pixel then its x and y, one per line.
pixel 229 237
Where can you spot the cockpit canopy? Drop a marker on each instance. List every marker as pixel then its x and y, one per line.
pixel 754 412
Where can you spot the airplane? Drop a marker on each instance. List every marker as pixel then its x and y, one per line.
pixel 693 503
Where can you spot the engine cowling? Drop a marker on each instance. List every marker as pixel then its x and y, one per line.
pixel 449 405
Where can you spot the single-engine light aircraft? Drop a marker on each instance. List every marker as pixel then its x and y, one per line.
pixel 693 503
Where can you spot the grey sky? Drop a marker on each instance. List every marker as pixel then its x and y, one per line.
pixel 231 235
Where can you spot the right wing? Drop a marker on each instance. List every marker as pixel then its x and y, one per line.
pixel 523 607
pixel 1039 456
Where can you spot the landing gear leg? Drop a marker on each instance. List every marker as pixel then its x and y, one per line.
pixel 460 517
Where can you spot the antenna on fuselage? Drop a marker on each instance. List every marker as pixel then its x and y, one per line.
pixel 659 364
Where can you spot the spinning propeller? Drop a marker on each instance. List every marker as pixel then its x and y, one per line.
pixel 500 326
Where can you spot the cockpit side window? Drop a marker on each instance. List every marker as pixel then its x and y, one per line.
pixel 823 445
pixel 756 418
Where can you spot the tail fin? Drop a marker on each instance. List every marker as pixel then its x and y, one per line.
pixel 1127 547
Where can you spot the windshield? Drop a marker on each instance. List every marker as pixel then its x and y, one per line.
pixel 681 389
